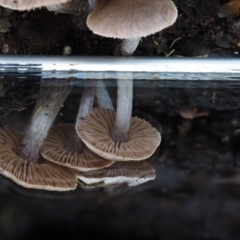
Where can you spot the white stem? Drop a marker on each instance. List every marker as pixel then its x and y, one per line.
pixel 86 104
pixel 128 46
pixel 125 95
pixel 124 110
pixel 104 100
pixel 49 102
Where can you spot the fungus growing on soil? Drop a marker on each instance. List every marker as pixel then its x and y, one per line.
pixel 64 147
pixel 22 5
pixel 191 112
pixel 96 132
pixel 129 173
pixel 128 20
pixel 20 158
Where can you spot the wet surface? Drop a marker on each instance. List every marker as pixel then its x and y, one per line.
pixel 195 194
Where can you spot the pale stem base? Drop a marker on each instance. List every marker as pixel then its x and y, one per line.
pixel 49 102
pixel 128 46
pixel 86 104
pixel 124 110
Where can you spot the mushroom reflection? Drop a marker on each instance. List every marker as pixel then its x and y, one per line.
pixel 128 173
pixel 64 147
pixel 20 158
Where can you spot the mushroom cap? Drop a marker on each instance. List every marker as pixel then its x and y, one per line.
pixel 131 18
pixel 54 150
pixel 28 4
pixel 96 128
pixel 45 176
pixel 230 8
pixel 130 173
pixel 143 115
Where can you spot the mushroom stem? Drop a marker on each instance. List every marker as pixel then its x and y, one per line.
pixel 48 104
pixel 127 47
pixel 104 100
pixel 124 110
pixel 86 104
pixel 125 95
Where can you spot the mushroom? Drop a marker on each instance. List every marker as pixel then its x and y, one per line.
pixel 191 112
pixel 149 118
pixel 230 8
pixel 20 158
pixel 128 20
pixel 129 173
pixel 64 147
pixel 28 4
pixel 96 131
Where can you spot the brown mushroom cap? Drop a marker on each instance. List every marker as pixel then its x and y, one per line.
pixel 96 129
pixel 230 8
pixel 54 150
pixel 44 176
pixel 28 4
pixel 131 18
pixel 130 173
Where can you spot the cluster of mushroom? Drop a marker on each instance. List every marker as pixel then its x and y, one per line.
pixel 92 145
pixel 20 158
pixel 53 157
pixel 112 136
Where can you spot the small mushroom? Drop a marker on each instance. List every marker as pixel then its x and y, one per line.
pixel 64 147
pixel 22 5
pixel 96 132
pixel 129 173
pixel 230 8
pixel 130 20
pixel 191 112
pixel 20 158
pixel 57 149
